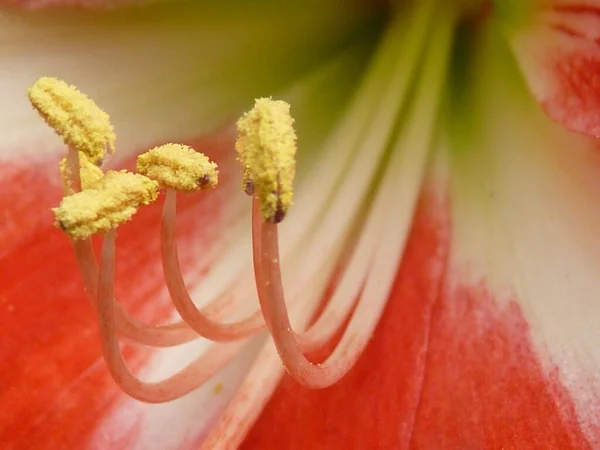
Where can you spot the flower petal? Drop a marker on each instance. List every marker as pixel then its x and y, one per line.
pixel 180 69
pixel 493 346
pixel 513 353
pixel 558 48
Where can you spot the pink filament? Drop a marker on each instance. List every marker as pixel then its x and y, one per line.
pixel 181 383
pixel 129 327
pixel 73 164
pixel 195 318
pixel 270 293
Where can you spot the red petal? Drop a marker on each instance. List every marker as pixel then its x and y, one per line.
pixel 426 381
pixel 559 51
pixel 54 386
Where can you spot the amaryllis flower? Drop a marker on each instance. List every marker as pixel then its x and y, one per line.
pixel 440 259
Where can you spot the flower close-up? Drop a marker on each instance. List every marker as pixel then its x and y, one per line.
pixel 299 224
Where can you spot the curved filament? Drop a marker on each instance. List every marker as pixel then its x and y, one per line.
pixel 127 326
pixel 199 321
pixel 181 383
pixel 270 293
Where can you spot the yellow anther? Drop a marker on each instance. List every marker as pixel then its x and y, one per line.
pixel 179 167
pixel 110 202
pixel 76 118
pixel 266 148
pixel 90 174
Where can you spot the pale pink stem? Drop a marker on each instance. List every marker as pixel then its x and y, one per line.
pixel 74 169
pixel 197 319
pixel 271 296
pixel 181 383
pixel 129 327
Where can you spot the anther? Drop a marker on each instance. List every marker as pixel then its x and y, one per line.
pixel 266 148
pixel 90 174
pixel 178 167
pixel 74 117
pixel 110 202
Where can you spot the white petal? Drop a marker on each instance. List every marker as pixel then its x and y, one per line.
pixel 526 208
pixel 166 71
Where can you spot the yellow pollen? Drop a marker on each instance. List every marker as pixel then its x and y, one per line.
pixel 73 116
pixel 178 167
pixel 110 202
pixel 266 148
pixel 90 174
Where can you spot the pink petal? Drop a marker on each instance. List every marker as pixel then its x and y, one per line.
pixel 558 48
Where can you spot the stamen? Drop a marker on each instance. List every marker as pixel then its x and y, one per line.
pixel 109 203
pixel 197 319
pixel 266 148
pixel 129 327
pixel 178 167
pixel 89 174
pixel 74 117
pixel 272 302
pixel 181 383
pixel 97 203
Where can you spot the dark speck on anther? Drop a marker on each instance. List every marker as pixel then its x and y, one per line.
pixel 203 181
pixel 249 187
pixel 278 216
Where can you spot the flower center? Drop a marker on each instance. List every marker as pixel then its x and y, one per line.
pixel 368 177
pixel 97 203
